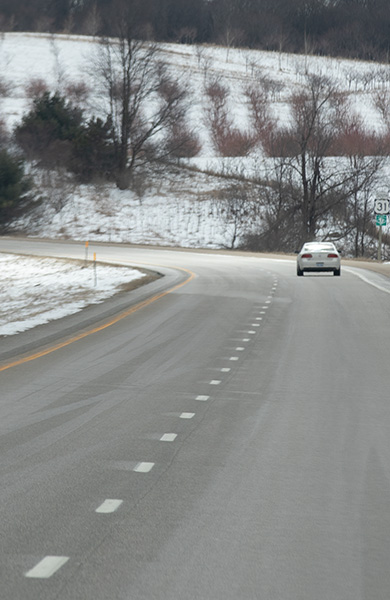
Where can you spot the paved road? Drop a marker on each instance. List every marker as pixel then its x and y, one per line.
pixel 228 441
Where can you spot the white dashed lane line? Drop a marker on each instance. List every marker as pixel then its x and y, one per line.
pixel 51 564
pixel 109 506
pixel 143 467
pixel 168 437
pixel 47 567
pixel 187 415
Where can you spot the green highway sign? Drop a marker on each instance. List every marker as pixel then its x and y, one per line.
pixel 381 220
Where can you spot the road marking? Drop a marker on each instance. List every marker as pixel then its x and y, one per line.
pixel 113 321
pixel 202 398
pixel 367 280
pixel 246 340
pixel 255 324
pixel 225 370
pixel 143 467
pixel 240 349
pixel 215 382
pixel 187 415
pixel 259 318
pixel 47 567
pixel 168 437
pixel 251 332
pixel 234 357
pixel 109 506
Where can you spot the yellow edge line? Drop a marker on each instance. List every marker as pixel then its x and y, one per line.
pixel 80 336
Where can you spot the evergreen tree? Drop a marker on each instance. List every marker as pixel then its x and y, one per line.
pixel 47 131
pixel 13 184
pixel 93 153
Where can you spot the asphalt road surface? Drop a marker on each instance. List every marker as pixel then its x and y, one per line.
pixel 222 434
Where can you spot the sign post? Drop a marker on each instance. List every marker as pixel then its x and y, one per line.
pixel 381 209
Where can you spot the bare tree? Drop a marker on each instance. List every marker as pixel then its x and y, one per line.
pixel 141 98
pixel 318 115
pixel 324 163
pixel 382 103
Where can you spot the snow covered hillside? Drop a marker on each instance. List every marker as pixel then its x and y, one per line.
pixel 173 207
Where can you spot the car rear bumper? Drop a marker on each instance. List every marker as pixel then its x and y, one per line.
pixel 319 269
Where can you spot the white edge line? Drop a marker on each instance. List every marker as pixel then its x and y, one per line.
pixel 366 280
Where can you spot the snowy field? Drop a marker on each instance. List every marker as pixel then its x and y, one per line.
pixel 174 208
pixel 38 290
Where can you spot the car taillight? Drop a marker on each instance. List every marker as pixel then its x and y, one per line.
pixel 332 256
pixel 307 256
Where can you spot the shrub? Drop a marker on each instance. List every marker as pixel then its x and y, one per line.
pixel 227 139
pixel 77 92
pixel 36 88
pixel 182 142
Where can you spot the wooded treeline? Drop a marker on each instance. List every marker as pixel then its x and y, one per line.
pixel 350 28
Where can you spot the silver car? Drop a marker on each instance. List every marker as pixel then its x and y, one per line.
pixel 318 256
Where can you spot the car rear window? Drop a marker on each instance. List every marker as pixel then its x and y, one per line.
pixel 316 247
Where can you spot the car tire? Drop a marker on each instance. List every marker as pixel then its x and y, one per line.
pixel 337 272
pixel 299 272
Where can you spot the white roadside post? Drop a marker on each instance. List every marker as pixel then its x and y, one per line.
pixel 381 209
pixel 94 268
